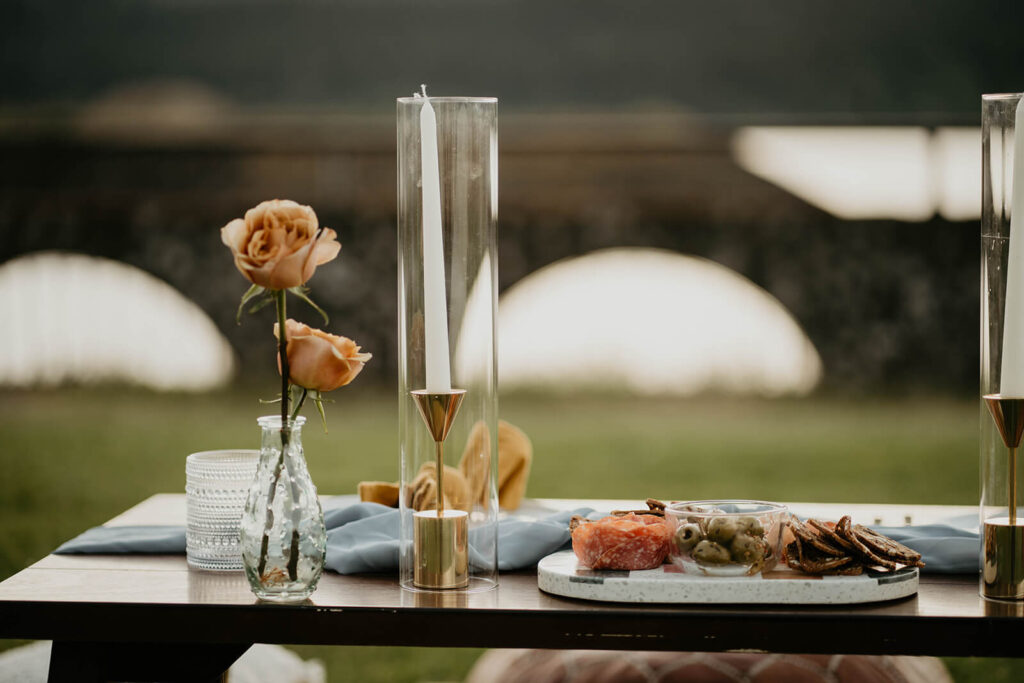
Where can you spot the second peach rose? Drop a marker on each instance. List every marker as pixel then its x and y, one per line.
pixel 320 361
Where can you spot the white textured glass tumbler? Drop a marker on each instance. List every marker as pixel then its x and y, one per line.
pixel 216 486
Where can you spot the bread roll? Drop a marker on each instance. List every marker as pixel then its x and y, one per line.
pixel 475 464
pixel 515 455
pixel 383 492
pixel 421 493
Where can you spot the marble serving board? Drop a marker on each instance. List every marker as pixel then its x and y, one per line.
pixel 561 575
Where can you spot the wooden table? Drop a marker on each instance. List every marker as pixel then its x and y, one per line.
pixel 151 618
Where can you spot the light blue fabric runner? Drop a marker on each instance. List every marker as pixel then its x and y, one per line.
pixel 116 540
pixel 363 537
pixel 945 549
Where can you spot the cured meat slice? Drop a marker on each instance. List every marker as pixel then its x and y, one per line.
pixel 629 542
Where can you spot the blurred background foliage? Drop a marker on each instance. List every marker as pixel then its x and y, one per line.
pixel 135 130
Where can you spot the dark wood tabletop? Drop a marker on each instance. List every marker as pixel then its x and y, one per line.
pixel 90 604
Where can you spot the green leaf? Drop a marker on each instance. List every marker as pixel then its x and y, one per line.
pixel 320 409
pixel 261 304
pixel 303 293
pixel 249 295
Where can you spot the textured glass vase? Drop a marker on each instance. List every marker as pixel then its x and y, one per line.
pixel 283 538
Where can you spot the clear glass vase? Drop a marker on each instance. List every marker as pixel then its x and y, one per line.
pixel 283 537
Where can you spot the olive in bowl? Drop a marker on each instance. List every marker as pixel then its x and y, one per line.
pixel 726 537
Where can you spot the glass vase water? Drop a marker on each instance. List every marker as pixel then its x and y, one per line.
pixel 282 536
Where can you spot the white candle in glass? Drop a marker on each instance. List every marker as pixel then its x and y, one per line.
pixel 1011 381
pixel 435 310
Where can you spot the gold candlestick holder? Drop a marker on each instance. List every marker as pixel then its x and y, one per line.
pixel 440 537
pixel 1003 538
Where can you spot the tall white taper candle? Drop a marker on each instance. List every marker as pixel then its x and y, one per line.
pixel 1011 381
pixel 435 310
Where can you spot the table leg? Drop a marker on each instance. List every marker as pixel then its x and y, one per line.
pixel 87 662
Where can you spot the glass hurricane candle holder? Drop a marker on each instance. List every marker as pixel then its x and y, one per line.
pixel 1002 346
pixel 447 305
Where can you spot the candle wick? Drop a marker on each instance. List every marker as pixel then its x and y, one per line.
pixel 424 87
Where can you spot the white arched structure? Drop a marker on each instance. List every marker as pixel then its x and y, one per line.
pixel 651 322
pixel 75 318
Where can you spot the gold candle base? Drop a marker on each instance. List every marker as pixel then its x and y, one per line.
pixel 441 549
pixel 440 537
pixel 1002 571
pixel 1002 574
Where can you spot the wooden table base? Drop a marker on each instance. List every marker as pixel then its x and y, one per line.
pixel 77 662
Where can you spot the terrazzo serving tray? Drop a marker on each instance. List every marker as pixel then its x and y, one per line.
pixel 560 574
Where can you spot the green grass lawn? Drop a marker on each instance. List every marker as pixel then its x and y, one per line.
pixel 73 459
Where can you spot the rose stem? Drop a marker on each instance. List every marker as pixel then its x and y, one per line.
pixel 282 353
pixel 293 551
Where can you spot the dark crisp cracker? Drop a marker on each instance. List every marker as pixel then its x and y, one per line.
pixel 576 520
pixel 847 550
pixel 824 565
pixel 808 536
pixel 829 535
pixel 811 562
pixel 654 507
pixel 791 553
pixel 887 547
pixel 845 530
pixel 650 513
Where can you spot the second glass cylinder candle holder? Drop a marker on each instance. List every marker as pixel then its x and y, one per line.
pixel 447 308
pixel 1002 348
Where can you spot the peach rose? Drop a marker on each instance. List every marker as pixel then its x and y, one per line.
pixel 318 360
pixel 276 245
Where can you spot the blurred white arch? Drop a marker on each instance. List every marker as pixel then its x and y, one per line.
pixel 83 319
pixel 651 322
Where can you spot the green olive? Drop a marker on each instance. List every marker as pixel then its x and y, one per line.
pixel 709 552
pixel 687 536
pixel 722 529
pixel 750 526
pixel 746 549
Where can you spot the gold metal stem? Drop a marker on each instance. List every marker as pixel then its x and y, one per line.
pixel 439 448
pixel 1012 485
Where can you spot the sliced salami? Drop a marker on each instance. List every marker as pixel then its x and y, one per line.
pixel 629 542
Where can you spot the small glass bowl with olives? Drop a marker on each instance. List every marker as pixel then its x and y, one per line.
pixel 726 537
